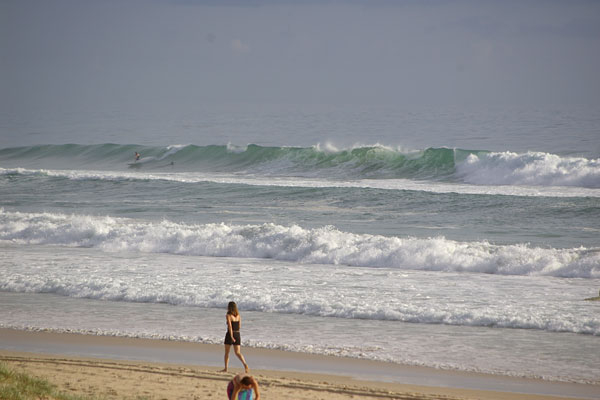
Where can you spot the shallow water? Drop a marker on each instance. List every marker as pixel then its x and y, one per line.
pixel 500 324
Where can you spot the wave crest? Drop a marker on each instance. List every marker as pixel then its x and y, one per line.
pixel 325 161
pixel 535 169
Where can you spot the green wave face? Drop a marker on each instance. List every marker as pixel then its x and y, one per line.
pixel 374 162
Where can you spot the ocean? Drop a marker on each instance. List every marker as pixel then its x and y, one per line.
pixel 464 240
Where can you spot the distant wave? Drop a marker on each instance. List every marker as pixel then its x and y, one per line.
pixel 292 243
pixel 475 167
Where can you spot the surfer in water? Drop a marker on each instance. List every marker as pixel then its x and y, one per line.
pixel 137 156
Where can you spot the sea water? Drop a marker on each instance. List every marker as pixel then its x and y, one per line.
pixel 459 240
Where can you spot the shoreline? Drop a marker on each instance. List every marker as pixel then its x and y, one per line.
pixel 275 369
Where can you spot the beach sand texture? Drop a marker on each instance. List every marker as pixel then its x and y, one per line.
pixel 128 379
pixel 117 379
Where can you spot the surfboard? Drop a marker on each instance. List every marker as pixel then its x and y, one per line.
pixel 140 162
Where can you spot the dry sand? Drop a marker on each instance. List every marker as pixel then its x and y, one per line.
pixel 119 380
pixel 130 380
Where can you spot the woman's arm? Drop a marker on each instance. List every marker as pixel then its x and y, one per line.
pixel 236 390
pixel 255 388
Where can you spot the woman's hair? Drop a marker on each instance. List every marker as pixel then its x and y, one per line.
pixel 232 309
pixel 246 381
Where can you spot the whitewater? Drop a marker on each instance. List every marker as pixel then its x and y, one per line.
pixel 325 245
pixel 475 253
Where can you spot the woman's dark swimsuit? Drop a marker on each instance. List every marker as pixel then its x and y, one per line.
pixel 235 325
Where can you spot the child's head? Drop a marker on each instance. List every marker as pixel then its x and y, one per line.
pixel 246 382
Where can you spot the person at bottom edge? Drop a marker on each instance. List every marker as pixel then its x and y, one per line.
pixel 243 387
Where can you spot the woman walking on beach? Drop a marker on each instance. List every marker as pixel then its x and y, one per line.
pixel 233 337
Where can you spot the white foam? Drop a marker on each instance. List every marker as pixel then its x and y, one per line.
pixel 532 168
pixel 325 245
pixel 232 148
pixel 334 291
pixel 172 149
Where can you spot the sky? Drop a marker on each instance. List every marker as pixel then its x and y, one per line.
pixel 106 54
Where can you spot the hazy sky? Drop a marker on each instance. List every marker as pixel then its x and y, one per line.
pixel 86 54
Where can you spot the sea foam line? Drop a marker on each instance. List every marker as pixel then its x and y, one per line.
pixel 254 180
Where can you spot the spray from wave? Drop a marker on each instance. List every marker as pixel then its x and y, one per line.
pixel 534 169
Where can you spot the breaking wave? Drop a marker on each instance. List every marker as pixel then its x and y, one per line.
pixel 475 167
pixel 325 245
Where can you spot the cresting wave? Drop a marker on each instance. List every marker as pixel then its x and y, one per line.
pixel 325 245
pixel 362 162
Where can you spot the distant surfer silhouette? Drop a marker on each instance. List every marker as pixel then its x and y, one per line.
pixel 137 156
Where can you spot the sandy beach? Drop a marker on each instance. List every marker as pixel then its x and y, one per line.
pixel 117 370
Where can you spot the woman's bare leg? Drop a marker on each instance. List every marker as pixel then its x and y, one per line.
pixel 238 353
pixel 226 359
